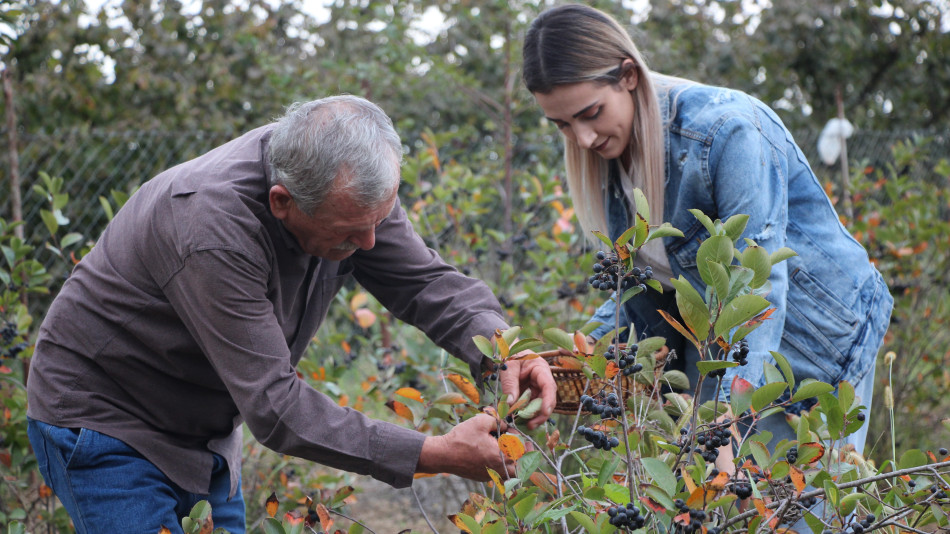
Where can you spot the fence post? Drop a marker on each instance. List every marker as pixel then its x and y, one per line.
pixel 845 174
pixel 16 202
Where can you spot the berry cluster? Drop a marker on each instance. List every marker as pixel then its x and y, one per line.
pixel 8 335
pixel 609 276
pixel 696 518
pixel 856 527
pixel 792 455
pixel 626 517
pixel 741 352
pixel 626 359
pixel 607 407
pixel 713 439
pixel 597 438
pixel 743 490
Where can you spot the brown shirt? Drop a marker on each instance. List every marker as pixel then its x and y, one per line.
pixel 189 315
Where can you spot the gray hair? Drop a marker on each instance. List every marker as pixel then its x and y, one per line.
pixel 342 144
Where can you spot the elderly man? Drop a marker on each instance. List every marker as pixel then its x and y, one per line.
pixel 188 317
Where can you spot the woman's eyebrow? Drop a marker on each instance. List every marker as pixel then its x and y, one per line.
pixel 581 112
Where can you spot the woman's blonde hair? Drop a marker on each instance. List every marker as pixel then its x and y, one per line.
pixel 574 43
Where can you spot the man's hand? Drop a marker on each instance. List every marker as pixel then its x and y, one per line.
pixel 536 375
pixel 468 450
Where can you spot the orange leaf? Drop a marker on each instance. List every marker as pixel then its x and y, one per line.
pixel 553 439
pixel 511 446
pixel 424 475
pixel 344 400
pixel 410 393
pixel 359 300
pixel 324 516
pixel 467 388
pixel 679 327
pixel 45 491
pixel 293 517
pixel 546 481
pixel 401 410
pixel 719 483
pixel 271 504
pixel 164 530
pixel 699 497
pixel 5 370
pixel 580 341
pixel 612 370
pixel 798 478
pixel 365 318
pixel 570 362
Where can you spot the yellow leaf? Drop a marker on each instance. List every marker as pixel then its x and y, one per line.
pixel 496 479
pixel 465 386
pixel 690 484
pixel 511 446
pixel 699 497
pixel 457 521
pixel 410 393
pixel 359 300
pixel 503 348
pixel 365 318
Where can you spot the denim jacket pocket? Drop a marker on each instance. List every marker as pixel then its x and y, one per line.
pixel 820 327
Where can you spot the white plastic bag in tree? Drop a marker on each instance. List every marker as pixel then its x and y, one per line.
pixel 829 142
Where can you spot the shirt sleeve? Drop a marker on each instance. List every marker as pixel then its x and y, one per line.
pixel 748 175
pixel 221 297
pixel 418 287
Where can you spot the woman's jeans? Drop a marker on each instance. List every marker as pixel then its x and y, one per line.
pixel 108 487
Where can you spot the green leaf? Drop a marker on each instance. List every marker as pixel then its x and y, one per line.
pixel 273 526
pixel 691 307
pixel 643 230
pixel 640 201
pixel 484 345
pixel 772 374
pixel 50 221
pixel 782 254
pixel 760 452
pixel 606 240
pixel 846 395
pixel 720 279
pixel 766 394
pixel 661 474
pixel 559 337
pixel 525 506
pixel 511 334
pixel 676 379
pixel 706 366
pixel 811 388
pixel 529 411
pixel 630 293
pixel 647 346
pixel 107 208
pixel 70 239
pixel 912 458
pixel 585 521
pixel 718 249
pixel 528 464
pixel 757 259
pixel 785 367
pixel 735 225
pixel 201 510
pixel 705 220
pixel 625 237
pixel 738 311
pixel 526 344
pixel 664 230
pixel 599 365
pixel 607 470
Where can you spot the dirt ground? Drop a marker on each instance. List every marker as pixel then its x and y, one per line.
pixel 386 510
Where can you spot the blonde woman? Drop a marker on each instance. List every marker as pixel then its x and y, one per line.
pixel 693 146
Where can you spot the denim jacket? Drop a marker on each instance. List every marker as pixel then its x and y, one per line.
pixel 726 154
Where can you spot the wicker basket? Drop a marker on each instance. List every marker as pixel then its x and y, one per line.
pixel 572 383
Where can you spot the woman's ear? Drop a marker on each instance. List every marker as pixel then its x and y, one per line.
pixel 630 75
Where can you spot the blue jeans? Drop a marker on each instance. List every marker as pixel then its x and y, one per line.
pixel 108 487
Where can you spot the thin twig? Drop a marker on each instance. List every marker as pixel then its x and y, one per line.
pixel 422 509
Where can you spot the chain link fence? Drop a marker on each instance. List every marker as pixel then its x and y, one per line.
pixel 92 163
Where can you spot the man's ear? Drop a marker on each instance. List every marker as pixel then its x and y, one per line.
pixel 280 201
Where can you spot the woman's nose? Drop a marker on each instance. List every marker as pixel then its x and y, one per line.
pixel 584 136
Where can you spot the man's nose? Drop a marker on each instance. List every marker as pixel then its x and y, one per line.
pixel 365 239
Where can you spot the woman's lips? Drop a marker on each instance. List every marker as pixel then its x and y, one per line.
pixel 601 146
